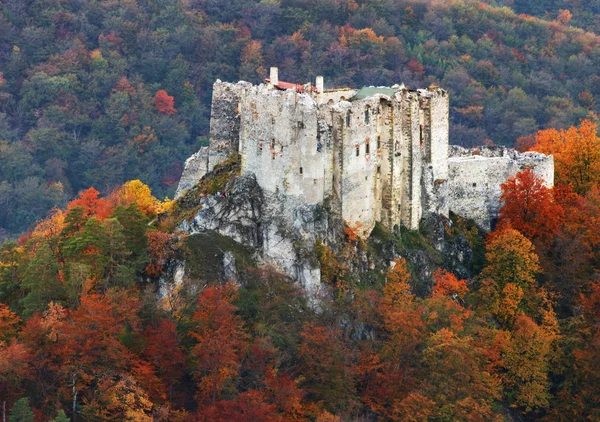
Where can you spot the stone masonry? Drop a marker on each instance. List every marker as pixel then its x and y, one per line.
pixel 372 155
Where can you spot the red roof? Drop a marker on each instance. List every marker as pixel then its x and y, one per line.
pixel 290 85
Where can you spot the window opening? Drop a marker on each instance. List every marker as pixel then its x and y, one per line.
pixel 367 148
pixel 300 170
pixel 347 119
pixel 357 150
pixel 379 142
pixel 367 117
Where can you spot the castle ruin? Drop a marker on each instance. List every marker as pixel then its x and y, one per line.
pixel 377 154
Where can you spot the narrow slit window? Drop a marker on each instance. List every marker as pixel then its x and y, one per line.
pixel 367 116
pixel 347 119
pixel 378 169
pixel 379 142
pixel 357 150
pixel 367 148
pixel 301 170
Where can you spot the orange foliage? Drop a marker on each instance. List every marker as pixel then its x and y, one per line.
pixel 160 251
pixel 124 86
pixel 446 284
pixel 9 323
pixel 564 17
pixel 220 341
pixel 51 226
pixel 164 103
pixel 324 363
pixel 333 269
pixel 93 205
pixel 354 232
pixel 576 154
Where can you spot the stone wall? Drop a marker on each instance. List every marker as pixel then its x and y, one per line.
pixel 280 143
pixel 475 176
pixel 225 114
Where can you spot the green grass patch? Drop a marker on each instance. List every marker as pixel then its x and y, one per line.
pixel 204 256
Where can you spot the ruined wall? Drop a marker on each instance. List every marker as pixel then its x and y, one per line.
pixel 434 106
pixel 475 176
pixel 359 161
pixel 280 143
pixel 224 115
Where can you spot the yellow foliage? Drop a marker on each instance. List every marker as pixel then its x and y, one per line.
pixel 136 192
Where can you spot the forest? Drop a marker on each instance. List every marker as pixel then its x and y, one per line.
pixel 101 101
pixel 96 93
pixel 88 333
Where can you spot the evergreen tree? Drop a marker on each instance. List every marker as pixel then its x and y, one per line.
pixel 21 412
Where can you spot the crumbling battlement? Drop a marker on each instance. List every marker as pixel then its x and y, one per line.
pixel 378 154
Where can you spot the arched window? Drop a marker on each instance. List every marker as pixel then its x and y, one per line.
pixel 367 116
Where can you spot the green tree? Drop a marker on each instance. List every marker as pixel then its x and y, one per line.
pixel 61 417
pixel 21 412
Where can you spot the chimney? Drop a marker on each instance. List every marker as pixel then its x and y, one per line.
pixel 319 84
pixel 274 76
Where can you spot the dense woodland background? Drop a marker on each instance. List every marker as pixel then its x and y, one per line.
pixel 115 94
pixel 80 77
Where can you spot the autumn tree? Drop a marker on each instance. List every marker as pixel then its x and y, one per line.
pixel 386 375
pixel 324 365
pixel 165 353
pixel 92 204
pixel 455 385
pixel 576 154
pixel 119 398
pixel 512 266
pixel 164 103
pixel 529 206
pixel 138 193
pixel 447 284
pixel 220 341
pixel 526 361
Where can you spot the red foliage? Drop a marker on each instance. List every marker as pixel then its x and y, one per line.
pixel 530 206
pixel 164 103
pixel 415 66
pixel 164 352
pixel 93 205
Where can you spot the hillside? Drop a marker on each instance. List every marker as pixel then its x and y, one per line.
pixel 121 307
pixel 95 93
